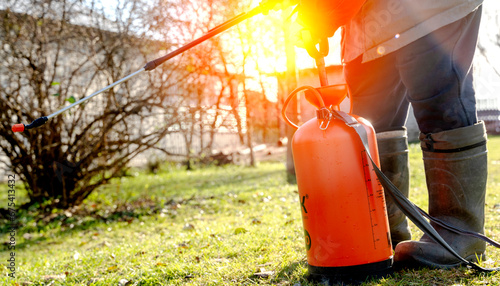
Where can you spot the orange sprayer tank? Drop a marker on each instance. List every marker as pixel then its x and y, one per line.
pixel 342 203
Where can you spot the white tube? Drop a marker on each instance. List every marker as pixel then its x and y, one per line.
pixel 95 93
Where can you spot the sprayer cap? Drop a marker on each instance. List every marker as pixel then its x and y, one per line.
pixel 18 127
pixel 331 95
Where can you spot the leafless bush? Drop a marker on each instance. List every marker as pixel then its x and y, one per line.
pixel 59 51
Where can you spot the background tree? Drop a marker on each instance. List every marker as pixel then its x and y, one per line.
pixel 258 51
pixel 225 73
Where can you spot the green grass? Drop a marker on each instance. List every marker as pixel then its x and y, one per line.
pixel 213 226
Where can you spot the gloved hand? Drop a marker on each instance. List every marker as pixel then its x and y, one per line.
pixel 302 37
pixel 307 39
pixel 323 17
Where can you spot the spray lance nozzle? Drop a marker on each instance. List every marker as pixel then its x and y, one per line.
pixel 36 123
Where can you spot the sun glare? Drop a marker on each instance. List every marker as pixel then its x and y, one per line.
pixel 265 36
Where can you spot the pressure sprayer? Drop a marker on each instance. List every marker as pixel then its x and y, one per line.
pixel 342 203
pixel 341 190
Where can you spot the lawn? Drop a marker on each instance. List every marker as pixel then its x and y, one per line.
pixel 229 225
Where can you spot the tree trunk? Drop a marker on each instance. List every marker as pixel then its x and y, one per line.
pixel 291 84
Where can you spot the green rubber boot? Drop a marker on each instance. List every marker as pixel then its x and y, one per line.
pixel 393 154
pixel 455 164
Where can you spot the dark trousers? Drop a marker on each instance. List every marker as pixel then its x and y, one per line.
pixel 433 74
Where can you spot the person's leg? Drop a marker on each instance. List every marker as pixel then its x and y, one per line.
pixel 377 94
pixel 456 173
pixel 437 73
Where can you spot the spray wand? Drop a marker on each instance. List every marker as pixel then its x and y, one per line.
pixel 263 8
